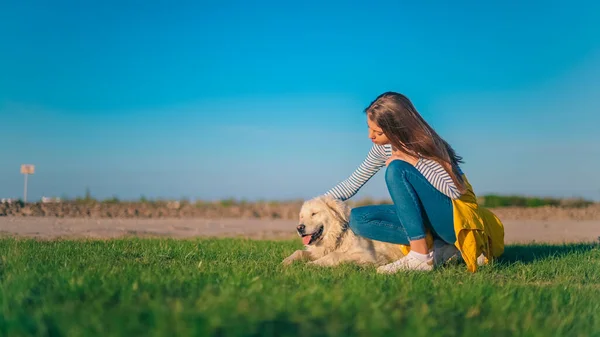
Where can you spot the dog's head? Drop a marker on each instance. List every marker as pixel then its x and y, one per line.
pixel 321 219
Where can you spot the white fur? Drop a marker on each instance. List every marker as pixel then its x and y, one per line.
pixel 338 244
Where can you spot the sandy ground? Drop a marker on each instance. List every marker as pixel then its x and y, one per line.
pixel 516 231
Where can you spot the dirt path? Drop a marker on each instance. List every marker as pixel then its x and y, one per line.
pixel 517 231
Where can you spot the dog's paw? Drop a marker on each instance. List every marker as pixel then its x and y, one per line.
pixel 287 261
pixel 320 263
pixel 297 255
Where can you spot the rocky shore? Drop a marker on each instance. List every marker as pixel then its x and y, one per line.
pixel 255 210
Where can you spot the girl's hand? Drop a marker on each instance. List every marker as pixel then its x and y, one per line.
pixel 401 155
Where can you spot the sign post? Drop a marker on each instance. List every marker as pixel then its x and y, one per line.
pixel 26 170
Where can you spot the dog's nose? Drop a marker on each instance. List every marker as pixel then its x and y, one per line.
pixel 301 228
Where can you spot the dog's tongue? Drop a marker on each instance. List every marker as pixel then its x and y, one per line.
pixel 306 239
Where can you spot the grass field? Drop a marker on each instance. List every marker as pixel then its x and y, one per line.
pixel 235 287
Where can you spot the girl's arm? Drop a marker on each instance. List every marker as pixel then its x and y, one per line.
pixel 346 189
pixel 376 159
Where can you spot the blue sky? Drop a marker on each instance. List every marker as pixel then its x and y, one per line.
pixel 265 100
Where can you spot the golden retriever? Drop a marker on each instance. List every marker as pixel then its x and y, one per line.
pixel 328 241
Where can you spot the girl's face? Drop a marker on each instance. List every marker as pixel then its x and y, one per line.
pixel 376 134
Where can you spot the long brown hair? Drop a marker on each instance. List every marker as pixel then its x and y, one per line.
pixel 408 131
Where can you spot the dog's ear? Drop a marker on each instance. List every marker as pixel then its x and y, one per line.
pixel 338 208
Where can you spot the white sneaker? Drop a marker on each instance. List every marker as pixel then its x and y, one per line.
pixel 481 260
pixel 408 262
pixel 445 253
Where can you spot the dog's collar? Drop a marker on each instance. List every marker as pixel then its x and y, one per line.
pixel 338 241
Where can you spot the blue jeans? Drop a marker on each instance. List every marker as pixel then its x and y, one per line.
pixel 417 205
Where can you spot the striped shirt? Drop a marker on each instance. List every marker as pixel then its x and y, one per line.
pixel 376 158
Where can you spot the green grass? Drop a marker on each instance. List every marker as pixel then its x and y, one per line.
pixel 234 287
pixel 494 200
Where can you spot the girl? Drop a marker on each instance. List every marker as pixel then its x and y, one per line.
pixel 429 192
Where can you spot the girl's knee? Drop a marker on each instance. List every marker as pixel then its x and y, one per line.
pixel 358 216
pixel 395 170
